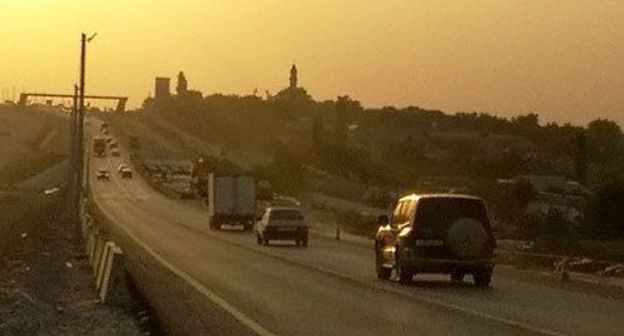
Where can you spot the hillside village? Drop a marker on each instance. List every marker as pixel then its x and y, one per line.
pixel 548 174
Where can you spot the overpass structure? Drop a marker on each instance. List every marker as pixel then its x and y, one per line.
pixel 121 101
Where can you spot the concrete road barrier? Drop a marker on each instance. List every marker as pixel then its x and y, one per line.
pixel 107 261
pixel 100 242
pixel 95 237
pixel 114 286
pixel 108 246
pixel 89 245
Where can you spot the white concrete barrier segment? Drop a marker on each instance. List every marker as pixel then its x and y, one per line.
pixel 102 264
pixel 114 289
pixel 93 247
pixel 99 250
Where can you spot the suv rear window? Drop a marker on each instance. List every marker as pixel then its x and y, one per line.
pixel 436 215
pixel 286 215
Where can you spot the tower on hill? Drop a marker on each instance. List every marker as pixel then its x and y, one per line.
pixel 182 87
pixel 293 92
pixel 293 77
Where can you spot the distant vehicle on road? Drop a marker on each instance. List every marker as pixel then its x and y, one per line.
pixel 113 144
pixel 115 152
pixel 121 166
pixel 102 174
pixel 231 200
pixel 285 201
pixel 447 233
pixel 51 191
pixel 99 146
pixel 187 193
pixel 282 223
pixel 126 172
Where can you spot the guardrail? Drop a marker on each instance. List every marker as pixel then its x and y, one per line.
pixel 108 263
pixel 183 305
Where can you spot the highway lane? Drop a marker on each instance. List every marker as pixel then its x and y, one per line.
pixel 284 298
pixel 512 299
pixel 527 304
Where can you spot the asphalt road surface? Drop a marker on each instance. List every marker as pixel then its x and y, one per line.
pixel 330 288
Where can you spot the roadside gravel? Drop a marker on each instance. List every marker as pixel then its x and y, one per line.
pixel 46 287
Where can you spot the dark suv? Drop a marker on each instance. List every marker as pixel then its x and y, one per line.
pixel 448 234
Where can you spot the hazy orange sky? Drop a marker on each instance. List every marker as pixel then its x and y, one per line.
pixel 561 59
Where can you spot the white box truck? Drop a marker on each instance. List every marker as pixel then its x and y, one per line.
pixel 231 201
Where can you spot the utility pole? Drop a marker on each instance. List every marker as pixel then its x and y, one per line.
pixel 79 131
pixel 73 153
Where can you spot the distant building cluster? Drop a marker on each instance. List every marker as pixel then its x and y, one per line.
pixel 554 194
pixel 292 92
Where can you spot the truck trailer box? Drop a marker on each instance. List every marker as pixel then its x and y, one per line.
pixel 231 200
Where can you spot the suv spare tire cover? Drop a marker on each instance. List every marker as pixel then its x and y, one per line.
pixel 467 239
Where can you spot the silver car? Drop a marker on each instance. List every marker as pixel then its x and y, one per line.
pixel 282 223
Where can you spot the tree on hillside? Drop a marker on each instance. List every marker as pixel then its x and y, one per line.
pixel 580 158
pixel 285 172
pixel 606 211
pixel 340 127
pixel 605 137
pixel 604 126
pixel 317 132
pixel 528 120
pixel 346 108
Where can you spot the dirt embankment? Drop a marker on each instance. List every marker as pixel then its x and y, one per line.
pixel 45 281
pixel 46 284
pixel 30 141
pixel 21 214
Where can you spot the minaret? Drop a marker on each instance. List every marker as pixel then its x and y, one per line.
pixel 293 77
pixel 182 87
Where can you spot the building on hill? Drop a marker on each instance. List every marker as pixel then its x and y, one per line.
pixel 293 92
pixel 183 100
pixel 184 93
pixel 552 195
pixel 163 87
